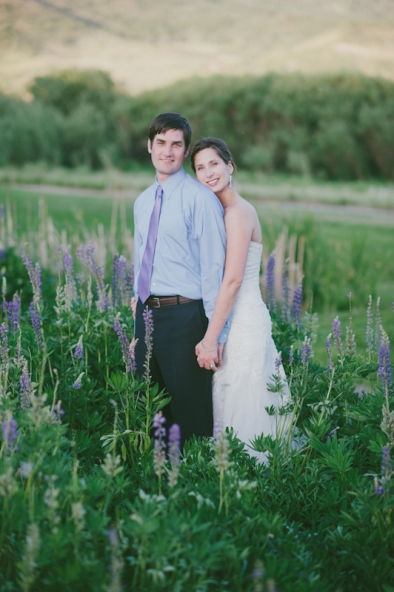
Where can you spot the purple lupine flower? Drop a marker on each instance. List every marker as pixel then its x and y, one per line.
pixel 78 352
pixel 34 275
pixel 118 280
pixel 387 467
pixel 291 355
pixel 369 332
pixel 57 413
pixel 270 283
pixel 130 284
pixel 133 344
pixel 78 382
pixel 337 334
pixel 332 433
pixel 174 443
pixel 36 324
pixel 4 344
pixel 159 450
pixel 128 360
pixel 378 323
pixel 285 294
pixel 148 320
pixel 10 432
pixel 85 254
pixel 384 368
pixel 330 366
pixel 13 310
pixel 297 305
pixel 378 488
pixel 25 387
pixel 70 278
pixel 350 342
pixel 306 351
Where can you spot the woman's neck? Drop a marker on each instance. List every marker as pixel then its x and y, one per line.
pixel 228 197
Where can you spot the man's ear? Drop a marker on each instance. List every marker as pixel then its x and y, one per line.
pixel 187 152
pixel 149 147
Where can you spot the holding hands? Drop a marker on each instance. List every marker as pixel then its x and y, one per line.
pixel 209 358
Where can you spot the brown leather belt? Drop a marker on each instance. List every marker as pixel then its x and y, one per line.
pixel 159 301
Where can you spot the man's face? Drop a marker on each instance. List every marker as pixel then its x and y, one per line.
pixel 168 152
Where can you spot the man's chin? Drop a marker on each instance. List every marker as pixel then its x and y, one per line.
pixel 170 170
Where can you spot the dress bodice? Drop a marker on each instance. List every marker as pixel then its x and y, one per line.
pixel 250 288
pixel 252 268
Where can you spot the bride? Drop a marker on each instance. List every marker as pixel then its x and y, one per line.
pixel 249 358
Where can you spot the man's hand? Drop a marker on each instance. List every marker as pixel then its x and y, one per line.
pixel 133 305
pixel 207 359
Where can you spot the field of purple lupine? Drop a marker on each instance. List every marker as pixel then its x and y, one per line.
pixel 92 497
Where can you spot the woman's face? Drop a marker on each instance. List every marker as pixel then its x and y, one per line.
pixel 211 170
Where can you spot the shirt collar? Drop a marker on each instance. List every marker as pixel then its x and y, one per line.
pixel 170 184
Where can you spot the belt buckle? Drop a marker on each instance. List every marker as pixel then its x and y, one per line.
pixel 158 301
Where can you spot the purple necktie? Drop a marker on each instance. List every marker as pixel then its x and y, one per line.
pixel 147 259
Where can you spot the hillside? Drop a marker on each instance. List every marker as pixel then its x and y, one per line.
pixel 146 44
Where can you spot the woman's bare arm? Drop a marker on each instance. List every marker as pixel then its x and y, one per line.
pixel 240 223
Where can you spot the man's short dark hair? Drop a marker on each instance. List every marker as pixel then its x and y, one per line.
pixel 166 121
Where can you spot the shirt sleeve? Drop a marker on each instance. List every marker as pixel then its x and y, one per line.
pixel 210 231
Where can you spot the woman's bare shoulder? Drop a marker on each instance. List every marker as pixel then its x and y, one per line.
pixel 242 210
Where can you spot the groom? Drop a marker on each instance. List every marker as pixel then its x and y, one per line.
pixel 179 253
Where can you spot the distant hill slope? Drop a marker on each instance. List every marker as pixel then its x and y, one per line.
pixel 146 44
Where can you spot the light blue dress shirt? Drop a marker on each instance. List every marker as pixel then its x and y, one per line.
pixel 191 241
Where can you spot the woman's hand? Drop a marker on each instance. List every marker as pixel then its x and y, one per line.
pixel 207 359
pixel 133 305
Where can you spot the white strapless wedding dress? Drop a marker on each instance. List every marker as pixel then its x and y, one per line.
pixel 240 392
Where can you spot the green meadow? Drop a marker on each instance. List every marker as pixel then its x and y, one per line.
pixel 347 248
